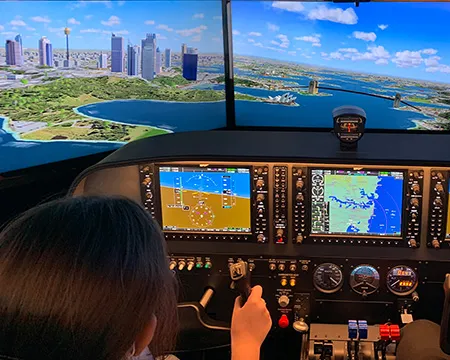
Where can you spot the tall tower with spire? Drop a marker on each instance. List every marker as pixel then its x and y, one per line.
pixel 67 61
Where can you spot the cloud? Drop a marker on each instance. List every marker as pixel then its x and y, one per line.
pixel 2 28
pixel 216 39
pixel 432 61
pixel 378 54
pixel 198 16
pixel 217 17
pixel 56 30
pixel 17 23
pixel 407 59
pixel 251 41
pixel 29 28
pixel 317 44
pixel 336 55
pixel 288 6
pixel 236 32
pixel 190 32
pixel 8 33
pixel 361 35
pixel 253 33
pixel 90 31
pixel 196 38
pixel 383 27
pixel 149 22
pixel 336 15
pixel 429 51
pixel 41 19
pixel 273 42
pixel 293 53
pixel 348 50
pixel 272 27
pixel 284 40
pixel 15 28
pixel 113 20
pixel 440 68
pixel 88 17
pixel 120 32
pixel 161 37
pixel 259 45
pixel 324 54
pixel 312 39
pixel 73 21
pixel 164 27
pixel 275 49
pixel 307 56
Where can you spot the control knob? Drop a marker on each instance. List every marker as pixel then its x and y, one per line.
pixel 414 202
pixel 299 184
pixel 190 265
pixel 283 301
pixel 300 326
pixel 260 184
pixel 435 243
pixel 260 197
pixel 415 188
pixel 299 239
pixel 260 238
pixel 272 267
pixel 172 265
pixel 437 202
pixel 181 265
pixel 300 197
pixel 439 188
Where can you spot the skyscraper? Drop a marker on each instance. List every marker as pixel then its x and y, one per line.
pixel 102 61
pixel 191 50
pixel 134 53
pixel 49 50
pixel 190 65
pixel 13 56
pixel 44 57
pixel 168 58
pixel 67 61
pixel 149 57
pixel 158 61
pixel 18 38
pixel 183 51
pixel 117 53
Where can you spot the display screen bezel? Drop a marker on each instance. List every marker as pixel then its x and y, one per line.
pixel 360 235
pixel 199 231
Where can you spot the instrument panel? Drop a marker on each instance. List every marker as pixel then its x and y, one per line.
pixel 294 203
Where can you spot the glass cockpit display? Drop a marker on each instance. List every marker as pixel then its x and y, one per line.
pixel 82 77
pixel 205 199
pixel 294 62
pixel 356 202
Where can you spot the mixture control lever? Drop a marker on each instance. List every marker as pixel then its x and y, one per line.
pixel 240 277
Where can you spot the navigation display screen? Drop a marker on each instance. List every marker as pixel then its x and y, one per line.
pixel 345 202
pixel 205 199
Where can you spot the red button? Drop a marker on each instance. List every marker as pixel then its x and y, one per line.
pixel 384 332
pixel 283 322
pixel 395 332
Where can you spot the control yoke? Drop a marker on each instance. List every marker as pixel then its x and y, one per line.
pixel 445 322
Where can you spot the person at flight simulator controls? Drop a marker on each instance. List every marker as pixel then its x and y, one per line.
pixel 87 278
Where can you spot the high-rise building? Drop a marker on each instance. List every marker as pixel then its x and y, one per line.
pixel 102 61
pixel 191 50
pixel 168 58
pixel 183 51
pixel 67 61
pixel 13 56
pixel 134 53
pixel 18 38
pixel 149 57
pixel 190 65
pixel 158 61
pixel 313 87
pixel 117 53
pixel 49 49
pixel 44 58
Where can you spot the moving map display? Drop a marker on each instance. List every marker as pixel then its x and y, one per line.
pixel 82 77
pixel 356 202
pixel 296 61
pixel 205 199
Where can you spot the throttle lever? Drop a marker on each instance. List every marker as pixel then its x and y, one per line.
pixel 240 279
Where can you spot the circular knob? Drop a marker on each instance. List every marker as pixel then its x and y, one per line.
pixel 300 197
pixel 299 239
pixel 414 202
pixel 181 265
pixel 439 188
pixel 299 184
pixel 300 326
pixel 415 296
pixel 440 176
pixel 415 188
pixel 260 197
pixel 283 301
pixel 260 238
pixel 260 183
pixel 281 267
pixel 172 265
pixel 413 243
pixel 437 202
pixel 283 322
pixel 272 267
pixel 435 243
pixel 283 282
pixel 293 267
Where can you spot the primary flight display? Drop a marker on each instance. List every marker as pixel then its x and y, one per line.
pixel 360 202
pixel 205 199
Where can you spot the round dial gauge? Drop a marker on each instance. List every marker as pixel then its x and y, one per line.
pixel 364 279
pixel 402 280
pixel 328 278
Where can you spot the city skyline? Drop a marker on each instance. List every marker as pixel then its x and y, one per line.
pixel 374 38
pixel 92 23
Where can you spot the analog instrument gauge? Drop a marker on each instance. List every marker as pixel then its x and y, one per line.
pixel 402 280
pixel 328 278
pixel 364 279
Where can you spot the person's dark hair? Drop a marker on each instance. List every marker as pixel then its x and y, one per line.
pixel 80 278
